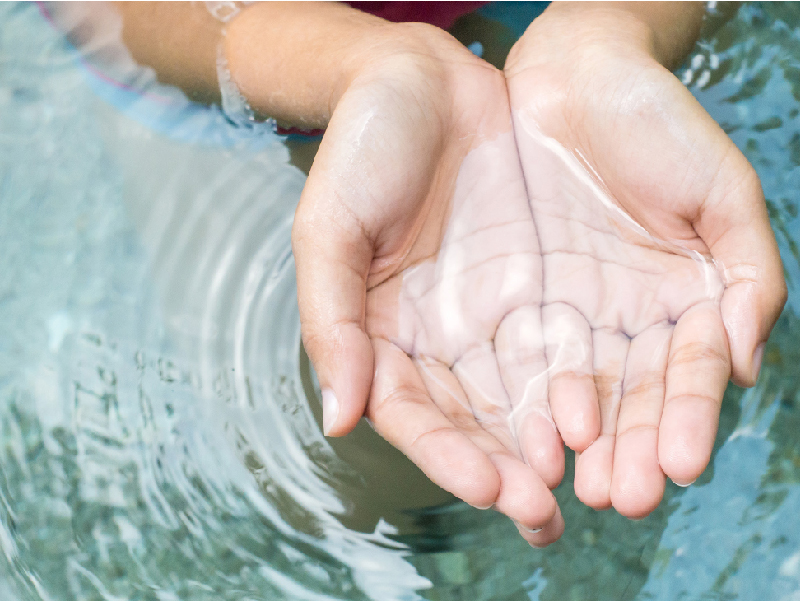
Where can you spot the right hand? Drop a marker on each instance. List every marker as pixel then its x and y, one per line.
pixel 662 275
pixel 419 279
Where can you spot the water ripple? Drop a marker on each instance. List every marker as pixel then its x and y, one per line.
pixel 159 420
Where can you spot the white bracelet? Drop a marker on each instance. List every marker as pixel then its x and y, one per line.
pixel 223 10
pixel 234 105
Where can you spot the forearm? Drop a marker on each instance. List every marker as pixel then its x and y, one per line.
pixel 665 31
pixel 291 61
pixel 288 59
pixel 178 40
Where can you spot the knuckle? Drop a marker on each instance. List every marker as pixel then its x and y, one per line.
pixel 698 352
pixel 416 442
pixel 398 401
pixel 650 384
pixel 607 386
pixel 320 338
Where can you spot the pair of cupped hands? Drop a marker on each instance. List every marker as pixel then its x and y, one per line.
pixel 492 265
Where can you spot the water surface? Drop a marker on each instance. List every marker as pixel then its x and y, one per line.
pixel 159 428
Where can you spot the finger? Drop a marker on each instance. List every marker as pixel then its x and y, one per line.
pixel 697 373
pixel 452 396
pixel 344 215
pixel 572 393
pixel 332 262
pixel 637 483
pixel 522 494
pixel 541 537
pixel 402 411
pixel 523 366
pixel 477 372
pixel 735 224
pixel 593 467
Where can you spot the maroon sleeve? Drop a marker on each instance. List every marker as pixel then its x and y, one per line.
pixel 440 14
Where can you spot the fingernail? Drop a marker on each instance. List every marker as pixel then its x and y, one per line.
pixel 686 485
pixel 330 410
pixel 757 357
pixel 528 530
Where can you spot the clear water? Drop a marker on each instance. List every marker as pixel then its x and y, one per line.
pixel 159 434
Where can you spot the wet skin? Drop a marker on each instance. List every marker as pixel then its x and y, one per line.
pixel 491 265
pixel 427 218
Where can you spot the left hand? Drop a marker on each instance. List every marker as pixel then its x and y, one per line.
pixel 419 280
pixel 662 277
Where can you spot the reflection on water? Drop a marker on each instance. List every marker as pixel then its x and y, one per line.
pixel 160 429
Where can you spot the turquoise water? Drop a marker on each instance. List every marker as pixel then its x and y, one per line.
pixel 159 434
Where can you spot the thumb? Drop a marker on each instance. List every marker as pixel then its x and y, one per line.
pixel 332 256
pixel 735 224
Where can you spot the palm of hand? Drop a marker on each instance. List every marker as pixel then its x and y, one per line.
pixel 468 319
pixel 636 348
pixel 433 208
pixel 485 312
pixel 578 313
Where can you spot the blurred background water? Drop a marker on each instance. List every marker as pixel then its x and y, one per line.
pixel 159 423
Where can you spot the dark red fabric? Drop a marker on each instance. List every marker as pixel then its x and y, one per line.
pixel 441 14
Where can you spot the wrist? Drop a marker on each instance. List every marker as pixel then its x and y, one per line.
pixel 568 35
pixel 295 65
pixel 664 32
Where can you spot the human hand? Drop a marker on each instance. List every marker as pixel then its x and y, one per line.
pixel 661 274
pixel 419 279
